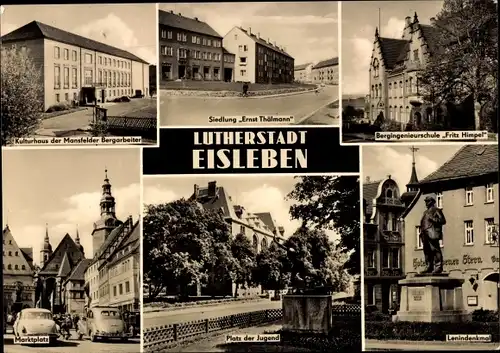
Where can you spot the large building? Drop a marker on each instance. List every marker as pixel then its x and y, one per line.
pixel 394 86
pixel 113 275
pixel 466 188
pixel 258 60
pixel 191 49
pixel 326 72
pixel 383 243
pixel 303 73
pixel 18 271
pixel 260 228
pixel 75 68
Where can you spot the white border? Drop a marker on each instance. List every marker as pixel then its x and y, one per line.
pixel 160 176
pixel 362 248
pixel 157 29
pixel 339 44
pixel 141 252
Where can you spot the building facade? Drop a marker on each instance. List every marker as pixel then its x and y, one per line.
pixel 77 69
pixel 18 274
pixel 190 49
pixel 394 84
pixel 113 275
pixel 303 73
pixel 326 72
pixel 259 228
pixel 383 243
pixel 258 60
pixel 466 189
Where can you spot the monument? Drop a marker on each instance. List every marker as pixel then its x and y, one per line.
pixel 431 296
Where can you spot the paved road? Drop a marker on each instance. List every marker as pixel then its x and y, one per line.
pixel 160 318
pixel 428 346
pixel 82 118
pixel 73 345
pixel 183 110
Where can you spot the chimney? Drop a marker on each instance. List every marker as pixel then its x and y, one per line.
pixel 408 21
pixel 212 185
pixel 249 30
pixel 281 230
pixel 388 176
pixel 367 179
pixel 196 19
pixel 196 191
pixel 433 21
pixel 180 14
pixel 275 44
pixel 258 35
pixel 171 11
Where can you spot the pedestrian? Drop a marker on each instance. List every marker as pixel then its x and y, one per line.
pixel 81 328
pixel 75 321
pixel 245 89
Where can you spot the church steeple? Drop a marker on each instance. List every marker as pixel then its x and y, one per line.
pixel 107 200
pixel 46 250
pixel 77 240
pixel 413 177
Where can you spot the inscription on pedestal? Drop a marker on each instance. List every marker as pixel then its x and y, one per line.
pixel 416 298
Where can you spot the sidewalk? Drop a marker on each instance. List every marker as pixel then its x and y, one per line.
pixel 429 346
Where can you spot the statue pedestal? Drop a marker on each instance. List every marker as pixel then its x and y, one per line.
pixel 431 298
pixel 306 313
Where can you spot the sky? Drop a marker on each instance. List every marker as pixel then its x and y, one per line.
pixel 62 187
pixel 359 20
pixel 256 193
pixel 380 161
pixel 131 27
pixel 309 31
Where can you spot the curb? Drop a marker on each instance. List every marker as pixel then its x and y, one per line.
pixel 314 112
pixel 251 97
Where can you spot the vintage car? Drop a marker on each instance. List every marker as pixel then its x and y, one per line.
pixel 35 322
pixel 106 322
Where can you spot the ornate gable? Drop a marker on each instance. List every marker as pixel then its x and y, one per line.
pixel 13 259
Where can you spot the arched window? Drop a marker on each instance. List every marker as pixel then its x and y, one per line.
pixel 16 267
pixel 16 253
pixel 24 267
pixel 376 66
pixel 380 90
pixel 390 112
pixel 389 194
pixel 263 244
pixel 10 253
pixel 376 91
pixel 401 88
pixel 411 85
pixel 390 90
pixel 401 113
pixel 9 267
pixel 255 242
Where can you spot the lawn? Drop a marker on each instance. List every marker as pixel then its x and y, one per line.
pixel 228 86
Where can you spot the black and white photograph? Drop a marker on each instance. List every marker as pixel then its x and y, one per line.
pixel 71 250
pixel 229 257
pixel 272 62
pixel 431 254
pixel 77 71
pixel 416 66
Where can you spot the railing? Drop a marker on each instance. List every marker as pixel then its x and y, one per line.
pixel 164 337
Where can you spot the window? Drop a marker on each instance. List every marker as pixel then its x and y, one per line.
pixel 181 53
pixel 184 37
pixel 169 35
pixel 57 77
pixel 66 77
pixel 395 258
pixel 242 229
pixel 127 287
pixel 74 55
pixel 469 196
pixel 163 33
pixel 370 259
pixel 489 224
pixel 193 39
pixel 469 232
pixel 100 60
pixel 9 267
pixel 375 68
pixel 243 61
pixel 66 97
pixel 57 52
pixel 66 54
pixel 489 193
pixel 209 42
pixel 370 294
pixel 179 37
pixel 24 267
pixel 243 72
pixel 88 58
pixel 385 258
pixel 439 199
pixel 16 253
pixel 245 48
pixel 120 286
pixel 88 77
pixel 74 77
pixel 100 77
pixel 16 267
pixel 415 55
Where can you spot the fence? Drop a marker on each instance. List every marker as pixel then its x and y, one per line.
pixel 157 338
pixel 130 126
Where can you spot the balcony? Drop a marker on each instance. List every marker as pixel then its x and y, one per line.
pixel 371 272
pixel 389 201
pixel 390 236
pixel 391 272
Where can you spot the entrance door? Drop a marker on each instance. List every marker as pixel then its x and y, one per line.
pixel 386 296
pixel 196 73
pixel 103 96
pixel 182 71
pixel 206 73
pixel 228 74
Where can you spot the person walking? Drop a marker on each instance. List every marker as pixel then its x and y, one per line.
pixel 245 89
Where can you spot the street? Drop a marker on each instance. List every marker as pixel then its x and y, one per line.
pixel 73 345
pixel 159 318
pixel 71 122
pixel 183 110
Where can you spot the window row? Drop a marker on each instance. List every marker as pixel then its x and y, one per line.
pixel 489 196
pixel 109 78
pixel 66 77
pixel 118 290
pixel 75 295
pixel 390 258
pixel 121 268
pixel 16 267
pixel 88 58
pixel 195 39
pixel 16 253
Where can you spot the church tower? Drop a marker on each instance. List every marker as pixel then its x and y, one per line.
pixel 108 221
pixel 412 186
pixel 77 240
pixel 46 249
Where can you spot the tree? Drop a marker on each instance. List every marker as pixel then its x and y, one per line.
pixel 182 242
pixel 316 262
pixel 273 268
pixel 245 260
pixel 463 61
pixel 327 202
pixel 21 95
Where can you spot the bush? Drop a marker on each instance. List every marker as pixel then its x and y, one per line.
pixel 482 315
pixel 378 316
pixel 427 331
pixel 21 95
pixel 390 125
pixel 59 107
pixel 99 128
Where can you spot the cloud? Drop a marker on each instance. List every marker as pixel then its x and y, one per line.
pixel 112 30
pixel 295 20
pixel 155 195
pixel 393 28
pixel 7 28
pixel 388 161
pixel 356 78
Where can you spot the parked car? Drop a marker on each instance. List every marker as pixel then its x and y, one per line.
pixel 106 322
pixel 35 322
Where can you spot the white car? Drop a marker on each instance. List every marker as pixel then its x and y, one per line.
pixel 35 322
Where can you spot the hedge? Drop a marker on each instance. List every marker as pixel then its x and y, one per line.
pixel 428 331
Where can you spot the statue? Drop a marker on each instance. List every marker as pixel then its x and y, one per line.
pixel 19 291
pixel 431 232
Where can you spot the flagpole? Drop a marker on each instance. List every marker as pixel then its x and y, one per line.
pixel 379 29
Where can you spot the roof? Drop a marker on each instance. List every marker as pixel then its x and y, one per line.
pixel 28 254
pixel 218 202
pixel 78 273
pixel 267 219
pixel 370 191
pixel 431 36
pixel 264 43
pixel 38 30
pixel 326 63
pixel 391 49
pixel 470 161
pixel 111 237
pixel 189 24
pixel 225 51
pixel 70 244
pixel 301 67
pixel 65 268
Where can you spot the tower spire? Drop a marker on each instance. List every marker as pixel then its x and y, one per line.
pixel 413 178
pixel 46 239
pixel 77 239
